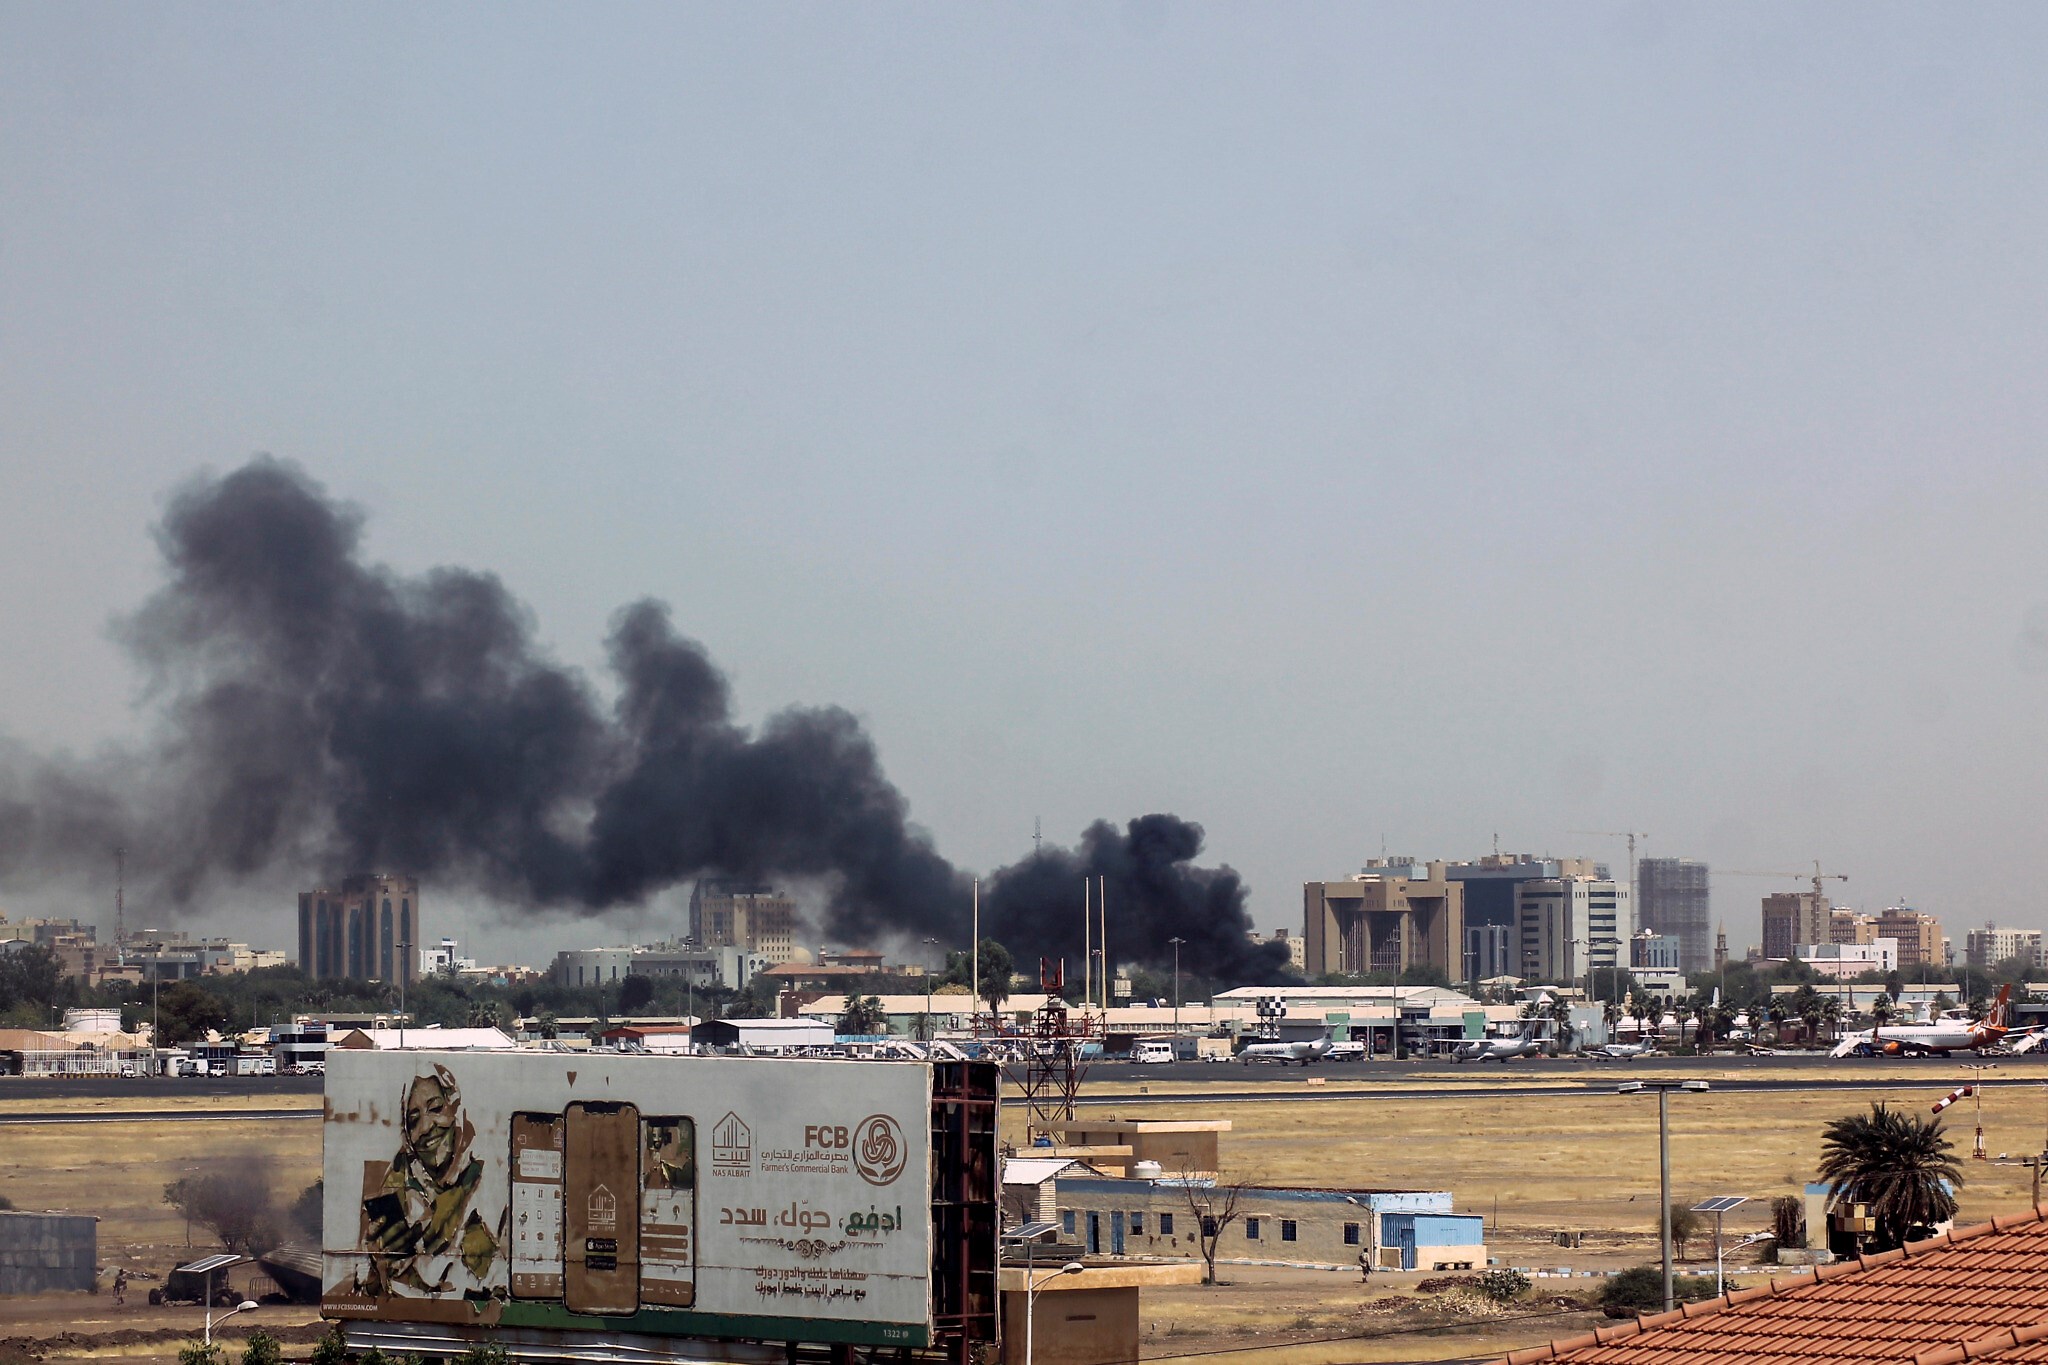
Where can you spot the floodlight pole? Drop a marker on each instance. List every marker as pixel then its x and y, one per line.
pixel 1664 1186
pixel 1664 1089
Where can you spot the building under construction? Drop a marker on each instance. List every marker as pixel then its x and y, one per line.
pixel 1672 899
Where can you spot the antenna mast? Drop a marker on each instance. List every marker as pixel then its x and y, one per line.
pixel 120 903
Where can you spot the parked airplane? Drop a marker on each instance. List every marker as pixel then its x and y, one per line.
pixel 1500 1049
pixel 1284 1053
pixel 1624 1052
pixel 1937 1039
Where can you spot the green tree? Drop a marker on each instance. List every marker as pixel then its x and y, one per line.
pixel 636 993
pixel 1881 1011
pixel 1685 1225
pixel 488 1354
pixel 863 1016
pixel 1831 1014
pixel 193 1353
pixel 997 968
pixel 185 1012
pixel 236 1208
pixel 1902 1167
pixel 30 981
pixel 304 1214
pixel 262 1349
pixel 1641 1290
pixel 1560 1013
pixel 331 1349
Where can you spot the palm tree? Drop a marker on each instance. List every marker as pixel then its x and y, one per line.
pixel 1780 1014
pixel 862 1016
pixel 1561 1015
pixel 1681 1010
pixel 1610 1015
pixel 1897 1164
pixel 1831 1014
pixel 1641 1008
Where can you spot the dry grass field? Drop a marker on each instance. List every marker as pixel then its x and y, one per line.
pixel 1535 1164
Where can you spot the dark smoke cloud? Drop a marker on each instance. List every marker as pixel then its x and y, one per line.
pixel 321 715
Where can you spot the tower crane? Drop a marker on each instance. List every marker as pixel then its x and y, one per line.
pixel 1816 876
pixel 1629 834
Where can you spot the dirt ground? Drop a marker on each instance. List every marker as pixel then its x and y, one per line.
pixel 1533 1164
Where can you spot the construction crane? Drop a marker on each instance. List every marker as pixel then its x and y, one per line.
pixel 1629 834
pixel 1816 876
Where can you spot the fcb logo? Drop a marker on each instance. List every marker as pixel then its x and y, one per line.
pixel 878 1150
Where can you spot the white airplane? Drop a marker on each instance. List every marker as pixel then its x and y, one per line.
pixel 1624 1052
pixel 1283 1053
pixel 1937 1039
pixel 1500 1049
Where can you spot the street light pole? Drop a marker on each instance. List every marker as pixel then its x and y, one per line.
pixel 1176 942
pixel 244 1306
pixel 1663 1089
pixel 1031 1293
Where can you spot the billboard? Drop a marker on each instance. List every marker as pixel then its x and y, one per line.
pixel 754 1198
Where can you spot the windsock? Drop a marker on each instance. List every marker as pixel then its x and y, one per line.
pixel 1961 1092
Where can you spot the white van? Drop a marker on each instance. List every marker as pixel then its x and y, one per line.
pixel 1151 1050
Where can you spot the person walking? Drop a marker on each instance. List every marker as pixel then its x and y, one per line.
pixel 1365 1265
pixel 121 1285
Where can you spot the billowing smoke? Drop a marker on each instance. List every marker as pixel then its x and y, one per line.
pixel 321 715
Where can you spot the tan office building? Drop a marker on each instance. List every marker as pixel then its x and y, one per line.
pixel 758 919
pixel 1919 936
pixel 1392 916
pixel 369 930
pixel 1793 918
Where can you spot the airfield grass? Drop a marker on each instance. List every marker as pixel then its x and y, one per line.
pixel 1534 1164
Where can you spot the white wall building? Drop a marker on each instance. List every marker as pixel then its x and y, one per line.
pixel 1569 926
pixel 1991 945
pixel 1842 960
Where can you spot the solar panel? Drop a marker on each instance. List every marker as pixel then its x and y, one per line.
pixel 1721 1203
pixel 1031 1232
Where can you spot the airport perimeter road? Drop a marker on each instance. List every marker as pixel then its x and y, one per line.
pixel 154 1092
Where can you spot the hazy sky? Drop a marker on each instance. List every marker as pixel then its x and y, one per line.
pixel 1325 423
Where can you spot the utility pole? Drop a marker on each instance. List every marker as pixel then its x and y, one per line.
pixel 1663 1089
pixel 1176 942
pixel 120 905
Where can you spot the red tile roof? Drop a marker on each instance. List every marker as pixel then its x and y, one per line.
pixel 1976 1294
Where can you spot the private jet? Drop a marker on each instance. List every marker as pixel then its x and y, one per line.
pixel 1623 1052
pixel 1499 1049
pixel 1283 1053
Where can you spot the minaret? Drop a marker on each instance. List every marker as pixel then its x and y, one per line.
pixel 1721 947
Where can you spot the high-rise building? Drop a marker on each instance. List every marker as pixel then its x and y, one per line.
pixel 1795 917
pixel 1395 914
pixel 1491 932
pixel 1991 945
pixel 749 915
pixel 1570 926
pixel 1919 936
pixel 368 930
pixel 1672 898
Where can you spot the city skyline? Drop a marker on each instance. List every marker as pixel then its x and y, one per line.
pixel 1625 415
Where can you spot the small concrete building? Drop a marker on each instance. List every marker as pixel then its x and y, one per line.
pixel 1179 1146
pixel 1088 1318
pixel 48 1253
pixel 764 1035
pixel 1394 1229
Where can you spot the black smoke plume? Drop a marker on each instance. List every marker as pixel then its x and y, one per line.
pixel 322 715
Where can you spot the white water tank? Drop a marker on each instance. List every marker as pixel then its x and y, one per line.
pixel 1147 1170
pixel 92 1021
